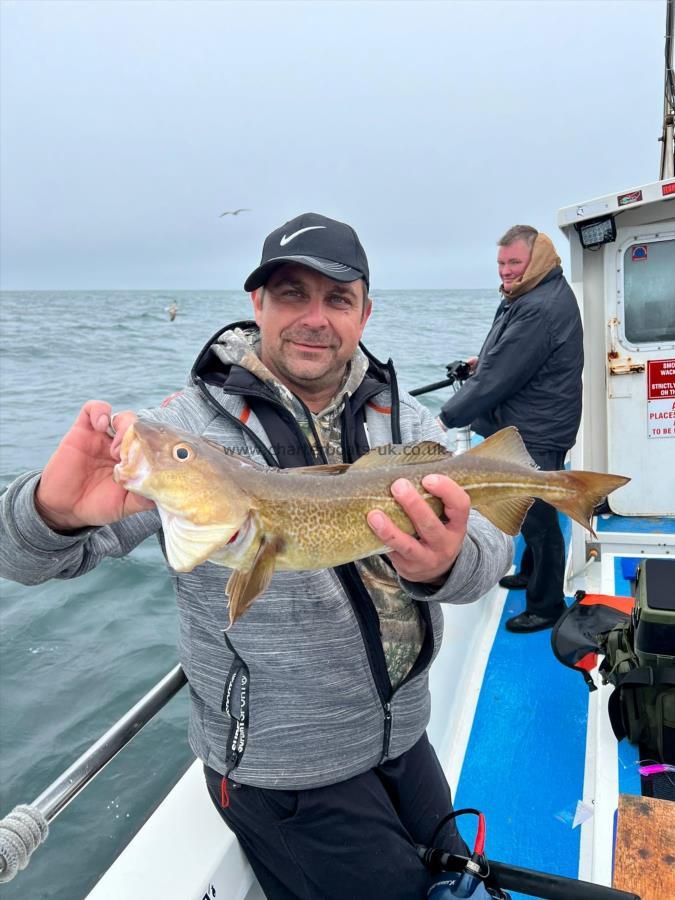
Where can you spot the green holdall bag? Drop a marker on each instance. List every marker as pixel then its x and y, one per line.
pixel 640 663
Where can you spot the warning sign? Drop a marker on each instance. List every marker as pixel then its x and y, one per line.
pixel 660 379
pixel 661 398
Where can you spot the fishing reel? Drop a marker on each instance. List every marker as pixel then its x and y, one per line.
pixel 478 878
pixel 459 876
pixel 459 370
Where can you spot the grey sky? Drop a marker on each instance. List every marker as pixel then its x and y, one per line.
pixel 128 127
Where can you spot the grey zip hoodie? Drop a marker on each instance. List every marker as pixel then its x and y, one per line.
pixel 289 697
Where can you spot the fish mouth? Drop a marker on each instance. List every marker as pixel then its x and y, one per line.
pixel 132 469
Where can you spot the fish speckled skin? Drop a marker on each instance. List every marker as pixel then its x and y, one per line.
pixel 218 506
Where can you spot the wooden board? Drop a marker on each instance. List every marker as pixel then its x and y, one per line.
pixel 644 860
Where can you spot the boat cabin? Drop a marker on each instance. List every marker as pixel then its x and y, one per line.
pixel 622 249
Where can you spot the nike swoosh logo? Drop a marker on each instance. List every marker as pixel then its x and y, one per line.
pixel 286 240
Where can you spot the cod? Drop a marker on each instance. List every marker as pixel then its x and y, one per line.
pixel 217 506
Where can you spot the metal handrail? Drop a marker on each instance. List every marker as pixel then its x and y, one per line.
pixel 58 795
pixel 26 827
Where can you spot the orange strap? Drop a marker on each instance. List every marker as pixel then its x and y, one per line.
pixel 623 604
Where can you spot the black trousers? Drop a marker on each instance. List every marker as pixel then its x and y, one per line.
pixel 354 840
pixel 543 560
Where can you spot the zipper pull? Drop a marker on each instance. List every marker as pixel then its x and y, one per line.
pixel 387 729
pixel 224 795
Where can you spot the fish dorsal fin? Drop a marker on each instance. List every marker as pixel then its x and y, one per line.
pixel 244 587
pixel 334 469
pixel 187 545
pixel 506 446
pixel 507 515
pixel 402 455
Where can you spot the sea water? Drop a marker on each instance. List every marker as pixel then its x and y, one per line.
pixel 76 654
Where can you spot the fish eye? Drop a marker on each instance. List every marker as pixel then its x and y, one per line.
pixel 182 452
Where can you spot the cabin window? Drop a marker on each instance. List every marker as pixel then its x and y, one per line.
pixel 649 292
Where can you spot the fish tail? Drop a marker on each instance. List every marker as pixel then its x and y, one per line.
pixel 590 488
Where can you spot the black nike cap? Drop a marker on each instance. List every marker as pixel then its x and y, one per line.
pixel 325 245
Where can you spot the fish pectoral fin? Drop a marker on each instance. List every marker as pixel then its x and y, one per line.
pixel 243 587
pixel 189 545
pixel 402 455
pixel 507 515
pixel 505 446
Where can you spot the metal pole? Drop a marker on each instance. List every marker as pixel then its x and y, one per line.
pixel 59 794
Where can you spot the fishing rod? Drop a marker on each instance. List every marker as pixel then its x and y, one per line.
pixel 459 370
pixel 27 826
pixel 501 877
pixel 478 878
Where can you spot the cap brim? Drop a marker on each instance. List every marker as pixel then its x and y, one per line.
pixel 334 270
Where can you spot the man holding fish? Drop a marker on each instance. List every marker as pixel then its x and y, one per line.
pixel 308 678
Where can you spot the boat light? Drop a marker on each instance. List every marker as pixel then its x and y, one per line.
pixel 597 232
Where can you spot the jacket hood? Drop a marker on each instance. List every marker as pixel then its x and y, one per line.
pixel 236 347
pixel 543 260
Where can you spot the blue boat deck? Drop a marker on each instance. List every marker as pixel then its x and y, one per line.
pixel 635 524
pixel 525 761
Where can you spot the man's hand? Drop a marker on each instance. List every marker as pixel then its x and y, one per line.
pixel 430 555
pixel 76 489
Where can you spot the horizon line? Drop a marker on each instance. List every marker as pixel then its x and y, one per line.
pixel 6 290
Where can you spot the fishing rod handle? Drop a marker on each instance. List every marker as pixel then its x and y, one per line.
pixel 552 887
pixel 432 387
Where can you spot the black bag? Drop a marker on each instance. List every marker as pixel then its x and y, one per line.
pixel 577 633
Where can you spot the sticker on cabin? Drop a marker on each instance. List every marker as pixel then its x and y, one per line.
pixel 639 253
pixel 661 398
pixel 630 197
pixel 668 189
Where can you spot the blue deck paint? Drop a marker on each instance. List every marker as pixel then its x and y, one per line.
pixel 636 524
pixel 524 764
pixel 622 586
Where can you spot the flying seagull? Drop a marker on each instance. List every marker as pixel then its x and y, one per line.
pixel 233 212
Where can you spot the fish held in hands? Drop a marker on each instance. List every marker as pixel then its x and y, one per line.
pixel 224 508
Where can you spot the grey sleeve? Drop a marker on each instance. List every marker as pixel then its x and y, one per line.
pixel 31 553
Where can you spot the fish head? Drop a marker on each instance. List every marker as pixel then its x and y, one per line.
pixel 193 482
